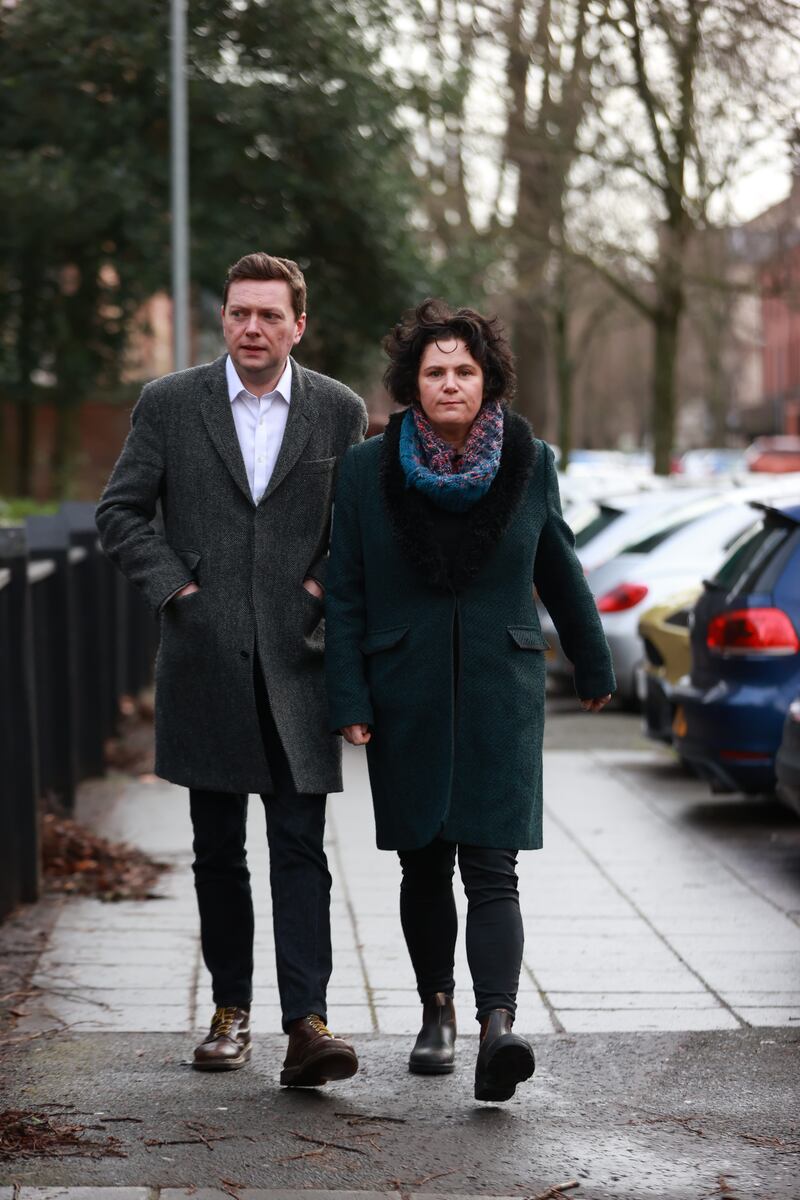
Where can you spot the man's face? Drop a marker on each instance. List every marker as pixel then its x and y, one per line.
pixel 260 328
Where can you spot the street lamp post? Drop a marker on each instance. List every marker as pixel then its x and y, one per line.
pixel 179 187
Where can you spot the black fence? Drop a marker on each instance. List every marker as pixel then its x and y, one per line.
pixel 74 638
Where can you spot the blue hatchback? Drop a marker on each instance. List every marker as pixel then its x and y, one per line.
pixel 745 630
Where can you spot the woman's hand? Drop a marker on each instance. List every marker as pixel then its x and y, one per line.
pixel 596 704
pixel 356 735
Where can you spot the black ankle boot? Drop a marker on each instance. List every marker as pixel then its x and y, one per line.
pixel 504 1058
pixel 434 1051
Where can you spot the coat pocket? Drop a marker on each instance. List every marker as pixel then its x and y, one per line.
pixel 189 558
pixel 310 465
pixel 383 639
pixel 528 637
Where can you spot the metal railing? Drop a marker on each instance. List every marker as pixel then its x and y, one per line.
pixel 74 638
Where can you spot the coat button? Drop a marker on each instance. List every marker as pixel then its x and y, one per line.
pixel 243 654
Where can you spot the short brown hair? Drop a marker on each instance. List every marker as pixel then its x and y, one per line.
pixel 266 266
pixel 436 321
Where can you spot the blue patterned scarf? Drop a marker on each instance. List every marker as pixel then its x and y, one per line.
pixel 434 467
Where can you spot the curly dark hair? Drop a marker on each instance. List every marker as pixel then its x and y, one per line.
pixel 435 321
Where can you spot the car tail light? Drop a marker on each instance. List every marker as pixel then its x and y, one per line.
pixel 744 756
pixel 624 595
pixel 752 631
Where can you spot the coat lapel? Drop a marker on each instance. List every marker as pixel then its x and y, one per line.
pixel 299 423
pixel 216 409
pixel 485 523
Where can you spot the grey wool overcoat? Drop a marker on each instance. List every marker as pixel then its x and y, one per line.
pixel 463 761
pixel 249 561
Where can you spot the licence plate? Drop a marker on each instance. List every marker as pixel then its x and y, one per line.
pixel 679 725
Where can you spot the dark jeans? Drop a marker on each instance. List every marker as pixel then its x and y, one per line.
pixel 299 880
pixel 494 923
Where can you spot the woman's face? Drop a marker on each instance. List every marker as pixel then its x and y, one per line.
pixel 450 387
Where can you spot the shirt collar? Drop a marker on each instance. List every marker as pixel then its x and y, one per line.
pixel 236 387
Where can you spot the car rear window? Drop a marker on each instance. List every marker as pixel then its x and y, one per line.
pixel 604 518
pixel 672 523
pixel 758 558
pixel 655 539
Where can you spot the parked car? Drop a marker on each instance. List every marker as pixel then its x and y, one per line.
pixel 664 631
pixel 625 518
pixel 774 454
pixel 709 462
pixel 787 764
pixel 690 541
pixel 729 715
pixel 648 571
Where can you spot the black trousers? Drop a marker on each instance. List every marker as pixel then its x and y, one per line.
pixel 494 923
pixel 299 879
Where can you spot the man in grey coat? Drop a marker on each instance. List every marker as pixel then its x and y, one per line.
pixel 242 455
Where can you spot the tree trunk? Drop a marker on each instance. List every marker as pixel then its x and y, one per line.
pixel 26 361
pixel 666 317
pixel 5 471
pixel 23 482
pixel 65 442
pixel 531 350
pixel 665 351
pixel 564 374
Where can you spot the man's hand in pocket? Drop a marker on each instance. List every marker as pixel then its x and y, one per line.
pixel 186 590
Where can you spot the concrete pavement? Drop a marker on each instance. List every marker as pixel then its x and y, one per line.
pixel 661 990
pixel 637 919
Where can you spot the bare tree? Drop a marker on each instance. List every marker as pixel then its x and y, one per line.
pixel 693 86
pixel 533 56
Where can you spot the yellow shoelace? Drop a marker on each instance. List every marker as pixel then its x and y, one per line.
pixel 222 1021
pixel 319 1025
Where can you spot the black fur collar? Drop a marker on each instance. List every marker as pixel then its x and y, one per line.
pixel 486 522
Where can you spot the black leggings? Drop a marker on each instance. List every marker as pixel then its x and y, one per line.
pixel 494 923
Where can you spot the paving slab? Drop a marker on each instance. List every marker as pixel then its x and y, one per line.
pixel 619 901
pixel 83 1193
pixel 266 1194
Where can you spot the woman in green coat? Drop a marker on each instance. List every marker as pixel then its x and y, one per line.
pixel 434 659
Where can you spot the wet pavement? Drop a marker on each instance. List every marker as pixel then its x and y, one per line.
pixel 661 989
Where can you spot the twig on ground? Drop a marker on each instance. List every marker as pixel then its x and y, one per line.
pixel 193 1127
pixel 370 1137
pixel 199 1139
pixel 26 1037
pixel 723 1189
pixel 771 1143
pixel 685 1122
pixel 231 1188
pixel 303 1154
pixel 556 1190
pixel 405 1187
pixel 304 1137
pixel 108 1120
pixel 439 1175
pixel 365 1118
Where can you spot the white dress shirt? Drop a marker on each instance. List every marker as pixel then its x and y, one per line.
pixel 260 425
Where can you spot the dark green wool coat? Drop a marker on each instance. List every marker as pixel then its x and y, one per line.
pixel 462 762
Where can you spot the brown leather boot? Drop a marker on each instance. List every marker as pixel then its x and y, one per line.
pixel 315 1056
pixel 227 1047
